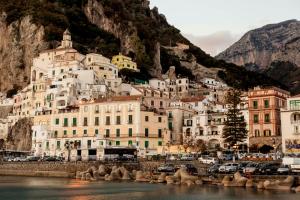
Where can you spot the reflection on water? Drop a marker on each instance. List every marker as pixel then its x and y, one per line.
pixel 32 188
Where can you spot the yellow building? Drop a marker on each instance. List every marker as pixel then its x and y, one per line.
pixel 124 62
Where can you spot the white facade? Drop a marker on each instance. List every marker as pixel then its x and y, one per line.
pixel 290 126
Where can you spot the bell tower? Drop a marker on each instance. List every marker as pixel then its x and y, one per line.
pixel 67 41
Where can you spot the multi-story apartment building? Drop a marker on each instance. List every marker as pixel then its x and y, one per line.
pixel 264 106
pixel 92 125
pixel 290 126
pixel 124 62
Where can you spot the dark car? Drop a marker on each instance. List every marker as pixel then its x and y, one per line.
pixel 242 166
pixel 168 168
pixel 191 169
pixel 214 169
pixel 33 158
pixel 268 168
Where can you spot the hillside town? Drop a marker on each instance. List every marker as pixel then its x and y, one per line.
pixel 77 105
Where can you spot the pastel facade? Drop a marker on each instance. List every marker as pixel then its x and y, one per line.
pixel 264 116
pixel 124 62
pixel 290 126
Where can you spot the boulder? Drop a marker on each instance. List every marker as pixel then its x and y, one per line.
pixel 199 182
pixel 260 185
pixel 170 180
pixel 238 181
pixel 183 176
pixel 250 183
pixel 286 184
pixel 126 175
pixel 162 178
pixel 102 170
pixel 139 177
pixel 188 182
pixel 297 189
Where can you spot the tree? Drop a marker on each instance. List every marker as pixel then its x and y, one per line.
pixel 234 130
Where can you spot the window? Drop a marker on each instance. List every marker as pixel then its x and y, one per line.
pixel 84 132
pixel 267 118
pixel 170 125
pixel 74 132
pixel 107 120
pixel 96 121
pixel 96 132
pixel 118 120
pixel 267 133
pixel 146 118
pixel 47 145
pixel 65 132
pixel 96 109
pixel 86 108
pixel 146 132
pixel 266 103
pixel 58 144
pixel 107 133
pixel 255 104
pixel 74 122
pixel 130 132
pixel 89 144
pixel 161 104
pixel 85 121
pixel 55 134
pixel 57 121
pixel 296 129
pixel 117 143
pixel 159 143
pixel 129 119
pixel 117 132
pixel 295 104
pixel 159 133
pixel 255 119
pixel 129 142
pixel 159 119
pixel 65 122
pixel 146 144
pixel 152 103
pixel 256 133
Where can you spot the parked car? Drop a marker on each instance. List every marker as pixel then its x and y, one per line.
pixel 33 158
pixel 251 168
pixel 191 169
pixel 227 157
pixel 172 158
pixel 208 160
pixel 243 165
pixel 213 169
pixel 168 168
pixel 268 168
pixel 228 168
pixel 187 157
pixel 284 169
pixel 20 159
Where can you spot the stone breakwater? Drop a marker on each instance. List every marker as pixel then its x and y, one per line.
pixel 182 177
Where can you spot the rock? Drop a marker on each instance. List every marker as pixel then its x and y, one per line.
pixel 140 177
pixel 286 184
pixel 88 176
pixel 102 170
pixel 162 178
pixel 238 181
pixel 189 182
pixel 83 177
pixel 260 185
pixel 297 189
pixel 126 175
pixel 199 182
pixel 184 176
pixel 78 175
pixel 249 183
pixel 170 179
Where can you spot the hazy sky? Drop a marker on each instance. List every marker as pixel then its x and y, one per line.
pixel 215 24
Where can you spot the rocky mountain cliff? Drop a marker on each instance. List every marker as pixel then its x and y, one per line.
pixel 272 50
pixel 107 27
pixel 261 47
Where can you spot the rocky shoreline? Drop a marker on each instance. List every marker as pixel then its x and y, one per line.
pixel 181 177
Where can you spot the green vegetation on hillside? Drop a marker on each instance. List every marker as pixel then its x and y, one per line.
pixel 56 16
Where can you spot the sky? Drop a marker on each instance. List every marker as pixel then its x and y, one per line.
pixel 214 25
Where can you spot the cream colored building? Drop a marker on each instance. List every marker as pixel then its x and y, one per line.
pixel 93 125
pixel 290 126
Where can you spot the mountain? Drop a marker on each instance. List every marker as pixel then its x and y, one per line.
pixel 107 27
pixel 269 49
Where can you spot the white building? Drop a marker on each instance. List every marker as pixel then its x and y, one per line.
pixel 290 126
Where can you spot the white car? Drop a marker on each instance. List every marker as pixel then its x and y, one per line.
pixel 228 168
pixel 208 160
pixel 187 157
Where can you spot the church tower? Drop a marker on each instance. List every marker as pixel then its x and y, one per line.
pixel 66 42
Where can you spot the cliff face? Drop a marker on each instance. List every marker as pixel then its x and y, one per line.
pixel 106 27
pixel 19 136
pixel 20 42
pixel 261 47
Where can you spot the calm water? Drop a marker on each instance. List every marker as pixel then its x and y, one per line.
pixel 22 188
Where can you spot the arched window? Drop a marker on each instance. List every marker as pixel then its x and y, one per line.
pixel 33 78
